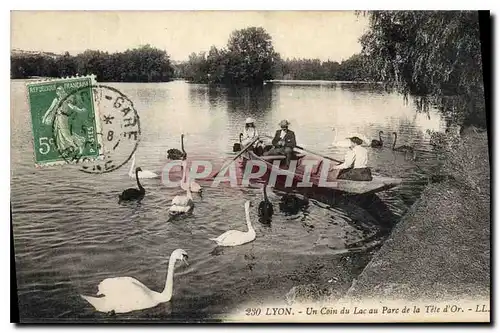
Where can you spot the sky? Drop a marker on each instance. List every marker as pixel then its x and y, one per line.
pixel 326 35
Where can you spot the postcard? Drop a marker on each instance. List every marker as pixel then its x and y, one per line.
pixel 250 166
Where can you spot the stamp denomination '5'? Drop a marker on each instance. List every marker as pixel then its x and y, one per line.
pixel 65 124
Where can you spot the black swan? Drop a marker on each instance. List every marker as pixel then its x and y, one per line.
pixel 237 145
pixel 133 193
pixel 176 154
pixel 378 143
pixel 404 148
pixel 265 209
pixel 292 204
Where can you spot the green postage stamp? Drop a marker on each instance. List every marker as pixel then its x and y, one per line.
pixel 65 121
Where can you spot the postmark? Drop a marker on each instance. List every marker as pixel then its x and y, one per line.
pixel 65 121
pixel 120 129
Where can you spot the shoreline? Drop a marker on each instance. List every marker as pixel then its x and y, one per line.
pixel 440 249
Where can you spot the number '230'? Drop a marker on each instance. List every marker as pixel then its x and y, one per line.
pixel 44 144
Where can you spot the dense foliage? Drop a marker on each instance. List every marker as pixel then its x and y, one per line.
pixel 248 59
pixel 352 69
pixel 144 64
pixel 433 56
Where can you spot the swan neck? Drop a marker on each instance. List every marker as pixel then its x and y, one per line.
pixel 249 222
pixel 184 173
pixel 169 283
pixel 137 179
pixel 131 171
pixel 265 194
pixel 380 136
pixel 395 138
pixel 182 144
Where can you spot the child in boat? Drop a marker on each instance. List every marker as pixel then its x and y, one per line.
pixel 250 133
pixel 354 166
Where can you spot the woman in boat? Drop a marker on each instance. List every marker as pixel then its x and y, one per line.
pixel 354 166
pixel 250 133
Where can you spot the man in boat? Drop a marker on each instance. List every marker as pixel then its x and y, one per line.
pixel 354 166
pixel 283 142
pixel 250 133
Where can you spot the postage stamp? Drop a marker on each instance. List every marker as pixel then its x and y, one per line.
pixel 65 121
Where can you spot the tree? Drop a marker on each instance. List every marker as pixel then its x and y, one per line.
pixel 250 57
pixel 433 56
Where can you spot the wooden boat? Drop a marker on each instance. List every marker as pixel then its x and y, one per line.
pixel 377 184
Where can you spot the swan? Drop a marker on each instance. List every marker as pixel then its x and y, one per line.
pixel 176 154
pixel 343 143
pixel 378 143
pixel 182 204
pixel 292 204
pixel 237 145
pixel 142 173
pixel 193 186
pixel 236 237
pixel 125 294
pixel 404 148
pixel 265 207
pixel 133 193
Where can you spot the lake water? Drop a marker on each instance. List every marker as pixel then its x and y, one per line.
pixel 70 233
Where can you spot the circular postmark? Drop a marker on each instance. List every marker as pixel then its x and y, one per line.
pixel 114 136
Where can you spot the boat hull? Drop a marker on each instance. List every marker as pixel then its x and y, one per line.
pixel 320 176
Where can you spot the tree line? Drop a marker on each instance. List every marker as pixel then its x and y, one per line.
pixel 248 59
pixel 432 56
pixel 143 64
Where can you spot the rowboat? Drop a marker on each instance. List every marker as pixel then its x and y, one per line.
pixel 377 184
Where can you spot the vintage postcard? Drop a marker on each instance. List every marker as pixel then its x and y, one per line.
pixel 251 166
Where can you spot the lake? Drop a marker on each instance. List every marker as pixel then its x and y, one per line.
pixel 70 232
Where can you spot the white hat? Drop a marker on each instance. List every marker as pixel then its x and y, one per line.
pixel 249 121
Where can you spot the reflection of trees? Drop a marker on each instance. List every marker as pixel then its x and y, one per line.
pixel 250 100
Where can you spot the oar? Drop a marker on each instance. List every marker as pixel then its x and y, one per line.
pixel 309 151
pixel 238 155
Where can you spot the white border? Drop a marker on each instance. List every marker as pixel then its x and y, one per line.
pixel 211 5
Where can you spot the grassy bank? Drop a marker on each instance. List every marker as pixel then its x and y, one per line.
pixel 441 248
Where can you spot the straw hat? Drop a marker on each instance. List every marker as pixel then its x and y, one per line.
pixel 249 120
pixel 284 122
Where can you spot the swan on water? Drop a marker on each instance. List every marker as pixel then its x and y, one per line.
pixel 126 294
pixel 176 154
pixel 133 193
pixel 187 182
pixel 237 145
pixel 378 143
pixel 265 209
pixel 236 237
pixel 142 173
pixel 182 203
pixel 404 148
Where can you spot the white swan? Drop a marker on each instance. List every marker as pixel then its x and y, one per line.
pixel 125 294
pixel 193 186
pixel 143 173
pixel 236 237
pixel 182 203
